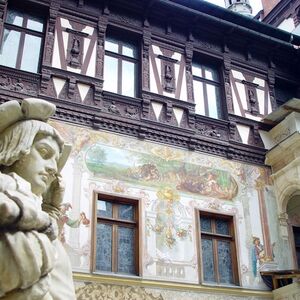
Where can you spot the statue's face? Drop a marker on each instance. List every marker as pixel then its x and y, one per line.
pixel 39 167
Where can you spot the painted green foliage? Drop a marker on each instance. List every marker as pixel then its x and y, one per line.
pixel 153 170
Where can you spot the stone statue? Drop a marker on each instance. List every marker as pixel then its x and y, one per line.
pixel 33 263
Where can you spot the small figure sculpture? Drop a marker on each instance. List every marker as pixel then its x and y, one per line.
pixel 33 263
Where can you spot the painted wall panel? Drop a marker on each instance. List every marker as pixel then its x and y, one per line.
pixel 171 184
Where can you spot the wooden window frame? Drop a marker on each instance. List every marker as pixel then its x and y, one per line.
pixel 23 31
pixel 206 81
pixel 215 237
pixel 115 222
pixel 120 57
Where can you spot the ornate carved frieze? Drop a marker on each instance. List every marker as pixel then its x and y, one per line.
pixel 27 85
pixel 128 20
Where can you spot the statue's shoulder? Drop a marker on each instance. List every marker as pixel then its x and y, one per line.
pixel 7 182
pixel 13 182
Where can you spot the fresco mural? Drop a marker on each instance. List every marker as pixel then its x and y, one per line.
pixel 153 169
pixel 171 184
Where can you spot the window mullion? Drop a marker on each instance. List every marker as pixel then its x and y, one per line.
pixel 20 50
pixel 205 97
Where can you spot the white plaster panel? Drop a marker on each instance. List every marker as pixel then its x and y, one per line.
pixel 183 92
pixel 238 75
pixel 176 67
pixel 58 84
pixel 55 55
pixel 259 81
pixel 91 70
pixel 261 100
pixel 236 107
pixel 177 56
pixel 167 94
pixel 269 103
pixel 86 43
pixel 244 132
pixel 75 70
pixel 157 107
pixel 65 23
pixel 156 50
pixel 178 112
pixel 241 90
pixel 65 41
pixel 88 29
pixel 83 90
pixel 153 87
pixel 249 116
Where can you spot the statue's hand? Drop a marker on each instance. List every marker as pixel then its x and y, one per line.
pixel 53 198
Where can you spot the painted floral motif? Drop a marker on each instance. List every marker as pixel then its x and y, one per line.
pixel 166 224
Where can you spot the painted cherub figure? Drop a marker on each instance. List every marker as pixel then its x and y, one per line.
pixel 33 263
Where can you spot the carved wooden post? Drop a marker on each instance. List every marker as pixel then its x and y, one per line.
pixel 227 68
pixel 271 83
pixel 49 44
pixel 3 5
pixel 102 25
pixel 189 78
pixel 146 69
pixel 145 61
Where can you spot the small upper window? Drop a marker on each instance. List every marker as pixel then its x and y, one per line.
pixel 22 41
pixel 120 66
pixel 206 82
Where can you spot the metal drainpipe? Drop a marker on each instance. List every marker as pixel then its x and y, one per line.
pixel 290 37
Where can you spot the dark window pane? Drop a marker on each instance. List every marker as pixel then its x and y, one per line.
pixel 205 224
pixel 208 260
pixel 126 253
pixel 35 24
pixel 104 209
pixel 31 53
pixel 225 262
pixel 222 227
pixel 126 212
pixel 14 17
pixel 111 45
pixel 9 48
pixel 110 74
pixel 128 79
pixel 104 247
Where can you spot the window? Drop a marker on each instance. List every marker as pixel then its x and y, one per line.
pixel 206 84
pixel 117 235
pixel 120 67
pixel 22 40
pixel 218 249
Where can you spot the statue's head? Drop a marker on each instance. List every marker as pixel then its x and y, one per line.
pixel 28 145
